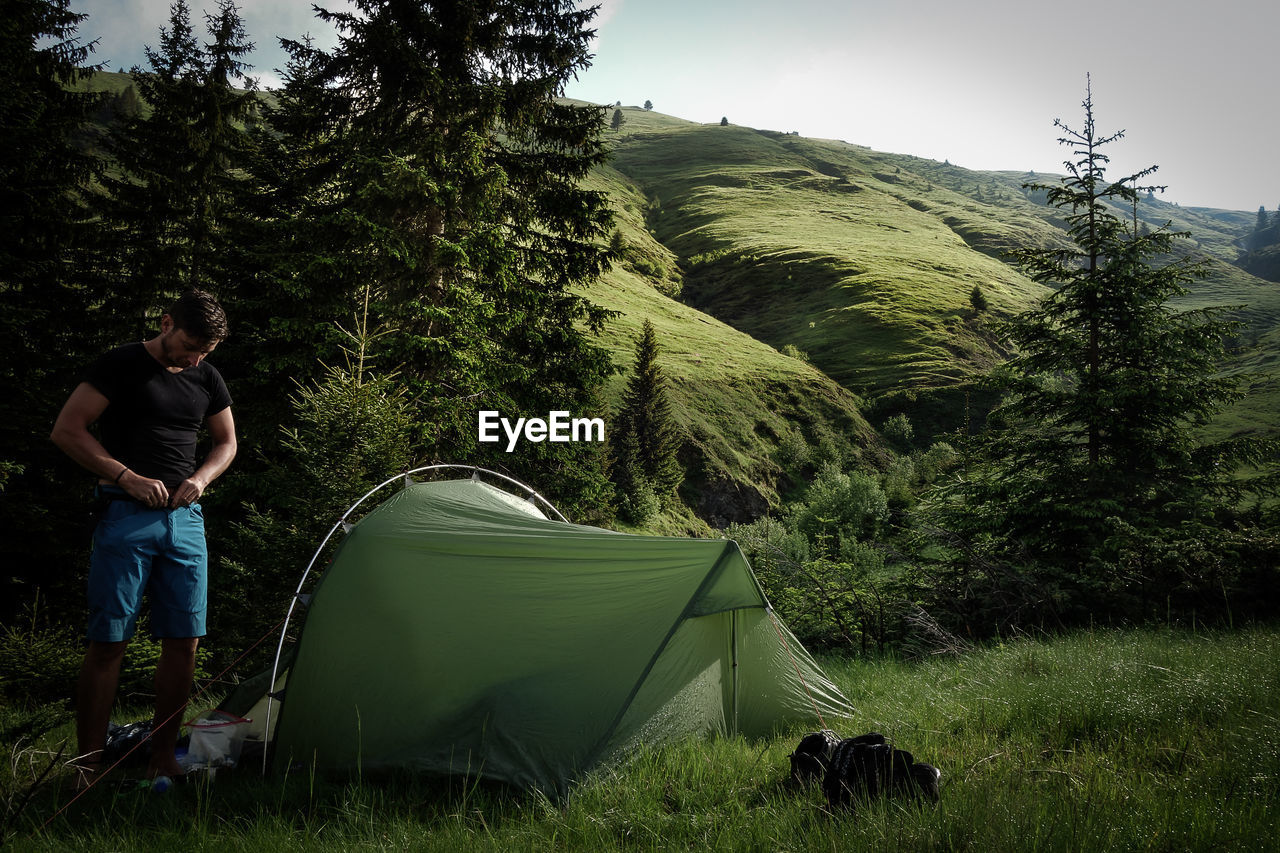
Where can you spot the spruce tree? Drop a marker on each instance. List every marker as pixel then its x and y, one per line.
pixel 647 438
pixel 346 430
pixel 1121 376
pixel 47 327
pixel 1098 435
pixel 637 500
pixel 178 177
pixel 978 300
pixel 446 174
pixel 43 218
pixel 44 171
pixel 286 325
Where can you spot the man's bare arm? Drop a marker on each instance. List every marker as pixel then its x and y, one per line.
pixel 222 429
pixel 71 432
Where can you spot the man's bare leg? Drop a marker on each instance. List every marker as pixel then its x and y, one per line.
pixel 174 674
pixel 95 694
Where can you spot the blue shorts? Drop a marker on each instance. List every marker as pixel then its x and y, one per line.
pixel 161 551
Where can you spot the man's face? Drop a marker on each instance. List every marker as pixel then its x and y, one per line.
pixel 178 349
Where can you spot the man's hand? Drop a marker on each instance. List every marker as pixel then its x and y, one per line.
pixel 188 492
pixel 144 490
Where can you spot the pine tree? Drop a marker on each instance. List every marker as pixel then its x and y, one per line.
pixel 229 111
pixel 446 174
pixel 43 176
pixel 178 181
pixel 1132 375
pixel 347 430
pixel 47 326
pixel 978 300
pixel 648 438
pixel 637 500
pixel 286 324
pixel 1098 428
pixel 618 120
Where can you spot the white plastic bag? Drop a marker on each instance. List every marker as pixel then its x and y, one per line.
pixel 216 740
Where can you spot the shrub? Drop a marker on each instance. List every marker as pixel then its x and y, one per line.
pixel 898 431
pixel 839 505
pixel 792 351
pixel 794 454
pixel 639 504
pixel 40 660
pixel 936 461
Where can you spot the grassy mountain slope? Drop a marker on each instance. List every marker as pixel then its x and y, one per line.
pixel 738 399
pixel 819 247
pixel 865 261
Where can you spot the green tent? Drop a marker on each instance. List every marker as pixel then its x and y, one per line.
pixel 458 630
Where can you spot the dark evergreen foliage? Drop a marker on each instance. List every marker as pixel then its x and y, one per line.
pixel 177 182
pixel 347 431
pixel 440 170
pixel 1261 247
pixel 647 438
pixel 43 302
pixel 978 300
pixel 1096 443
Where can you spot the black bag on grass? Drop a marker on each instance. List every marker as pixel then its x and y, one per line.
pixel 131 742
pixel 812 755
pixel 867 766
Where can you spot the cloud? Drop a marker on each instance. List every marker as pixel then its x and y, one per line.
pixel 608 9
pixel 122 28
pixel 605 12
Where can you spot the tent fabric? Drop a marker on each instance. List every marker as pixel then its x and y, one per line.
pixel 458 630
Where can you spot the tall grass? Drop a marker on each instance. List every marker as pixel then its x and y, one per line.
pixel 1143 740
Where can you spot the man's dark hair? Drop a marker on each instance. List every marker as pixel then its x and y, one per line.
pixel 199 315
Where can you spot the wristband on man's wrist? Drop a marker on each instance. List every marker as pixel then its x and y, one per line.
pixel 121 474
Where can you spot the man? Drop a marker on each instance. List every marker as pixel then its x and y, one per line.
pixel 149 400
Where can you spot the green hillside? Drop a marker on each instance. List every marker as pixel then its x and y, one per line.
pixel 865 261
pixel 737 398
pixel 799 250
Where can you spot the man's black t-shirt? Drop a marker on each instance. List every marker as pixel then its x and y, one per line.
pixel 154 415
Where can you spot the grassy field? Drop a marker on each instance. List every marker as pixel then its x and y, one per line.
pixel 1148 740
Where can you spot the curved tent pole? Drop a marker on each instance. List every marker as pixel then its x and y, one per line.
pixel 531 495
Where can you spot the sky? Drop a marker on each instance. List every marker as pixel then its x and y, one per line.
pixel 975 82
